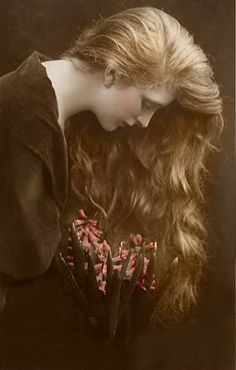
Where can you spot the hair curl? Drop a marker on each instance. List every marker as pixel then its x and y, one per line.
pixel 151 180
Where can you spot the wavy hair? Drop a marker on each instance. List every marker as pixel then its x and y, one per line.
pixel 151 180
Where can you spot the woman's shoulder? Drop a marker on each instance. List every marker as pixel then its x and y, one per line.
pixel 28 107
pixel 28 89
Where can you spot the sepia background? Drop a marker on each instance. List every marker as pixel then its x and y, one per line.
pixel 206 341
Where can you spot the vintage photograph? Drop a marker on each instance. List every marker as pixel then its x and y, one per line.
pixel 117 185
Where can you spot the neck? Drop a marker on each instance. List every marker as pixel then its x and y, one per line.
pixel 74 89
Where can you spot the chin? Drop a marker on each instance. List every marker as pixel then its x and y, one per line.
pixel 108 126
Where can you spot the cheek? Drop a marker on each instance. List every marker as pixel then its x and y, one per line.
pixel 130 103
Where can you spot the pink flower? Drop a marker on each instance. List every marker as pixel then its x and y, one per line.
pixel 82 213
pixel 151 246
pixel 93 222
pixel 102 287
pixel 79 222
pixel 117 267
pixel 86 242
pixel 137 239
pixel 89 234
pixel 98 268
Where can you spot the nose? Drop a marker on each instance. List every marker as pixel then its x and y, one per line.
pixel 144 119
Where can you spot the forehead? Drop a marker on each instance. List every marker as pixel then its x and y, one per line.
pixel 162 94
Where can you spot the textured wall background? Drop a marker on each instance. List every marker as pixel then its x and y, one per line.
pixel 206 342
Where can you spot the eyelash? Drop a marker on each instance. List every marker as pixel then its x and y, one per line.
pixel 147 105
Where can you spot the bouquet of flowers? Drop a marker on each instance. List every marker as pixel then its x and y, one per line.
pixel 105 283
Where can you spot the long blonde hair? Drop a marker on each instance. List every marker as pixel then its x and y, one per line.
pixel 151 180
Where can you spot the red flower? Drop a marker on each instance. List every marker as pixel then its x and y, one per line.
pixel 137 239
pixel 90 235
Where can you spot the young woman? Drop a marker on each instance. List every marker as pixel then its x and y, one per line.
pixel 147 180
pixel 136 163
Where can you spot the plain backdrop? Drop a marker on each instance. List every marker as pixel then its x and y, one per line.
pixel 206 342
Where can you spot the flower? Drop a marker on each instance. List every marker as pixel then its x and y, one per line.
pixel 125 260
pixel 137 239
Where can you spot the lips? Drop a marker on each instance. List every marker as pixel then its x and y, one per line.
pixel 125 124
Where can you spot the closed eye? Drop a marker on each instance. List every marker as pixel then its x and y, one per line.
pixel 148 105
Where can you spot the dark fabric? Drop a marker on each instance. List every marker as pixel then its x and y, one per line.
pixel 33 193
pixel 33 165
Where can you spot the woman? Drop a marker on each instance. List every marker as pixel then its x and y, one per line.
pixel 149 180
pixel 146 179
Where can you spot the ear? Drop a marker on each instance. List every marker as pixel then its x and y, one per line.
pixel 111 75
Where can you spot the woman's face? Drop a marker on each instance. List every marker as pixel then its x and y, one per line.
pixel 120 105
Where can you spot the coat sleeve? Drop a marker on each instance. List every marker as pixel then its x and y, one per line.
pixel 29 215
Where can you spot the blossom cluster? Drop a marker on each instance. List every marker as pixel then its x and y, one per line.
pixel 93 243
